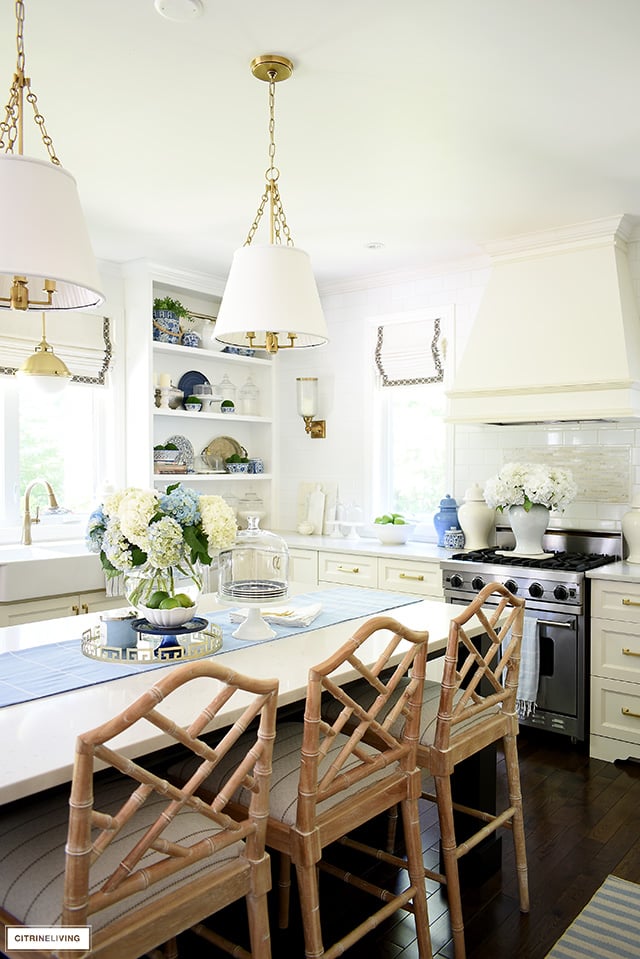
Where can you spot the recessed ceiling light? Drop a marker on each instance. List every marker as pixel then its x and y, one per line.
pixel 180 10
pixel 374 245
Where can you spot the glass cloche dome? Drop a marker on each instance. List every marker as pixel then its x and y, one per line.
pixel 256 568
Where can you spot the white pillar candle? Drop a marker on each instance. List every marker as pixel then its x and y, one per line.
pixel 165 380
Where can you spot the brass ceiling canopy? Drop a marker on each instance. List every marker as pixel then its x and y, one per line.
pixel 271 66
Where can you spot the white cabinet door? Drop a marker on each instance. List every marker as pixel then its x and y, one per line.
pixel 55 607
pixel 303 566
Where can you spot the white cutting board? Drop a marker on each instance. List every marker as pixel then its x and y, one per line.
pixel 315 516
pixel 330 491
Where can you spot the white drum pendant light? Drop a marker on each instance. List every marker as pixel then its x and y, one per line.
pixel 271 300
pixel 46 259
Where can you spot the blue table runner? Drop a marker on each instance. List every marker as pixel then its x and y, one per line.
pixel 28 674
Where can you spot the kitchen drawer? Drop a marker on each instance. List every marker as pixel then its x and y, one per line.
pixel 615 715
pixel 303 566
pixel 615 600
pixel 615 650
pixel 351 569
pixel 409 576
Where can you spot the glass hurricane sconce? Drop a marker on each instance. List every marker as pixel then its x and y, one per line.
pixel 307 397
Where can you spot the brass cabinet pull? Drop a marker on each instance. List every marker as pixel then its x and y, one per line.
pixel 85 608
pixel 628 712
pixel 75 609
pixel 418 579
pixel 349 569
pixel 630 602
pixel 629 652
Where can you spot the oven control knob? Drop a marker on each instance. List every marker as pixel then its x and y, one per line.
pixel 536 590
pixel 457 581
pixel 561 592
pixel 512 586
pixel 477 582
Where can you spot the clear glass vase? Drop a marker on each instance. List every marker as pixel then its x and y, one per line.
pixel 142 584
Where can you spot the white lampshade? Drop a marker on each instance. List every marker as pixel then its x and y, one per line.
pixel 43 235
pixel 271 289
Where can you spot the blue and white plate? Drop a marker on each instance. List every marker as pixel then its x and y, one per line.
pixel 187 382
pixel 186 450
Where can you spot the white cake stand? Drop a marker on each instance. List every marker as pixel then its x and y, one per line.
pixel 254 627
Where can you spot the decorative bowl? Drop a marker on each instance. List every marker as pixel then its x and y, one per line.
pixel 393 535
pixel 236 467
pixel 166 456
pixel 194 407
pixel 168 617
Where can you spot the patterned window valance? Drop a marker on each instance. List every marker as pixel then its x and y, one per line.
pixel 81 340
pixel 408 353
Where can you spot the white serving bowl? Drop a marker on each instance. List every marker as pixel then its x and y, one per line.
pixel 171 618
pixel 393 535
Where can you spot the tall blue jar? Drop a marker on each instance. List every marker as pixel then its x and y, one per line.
pixel 446 518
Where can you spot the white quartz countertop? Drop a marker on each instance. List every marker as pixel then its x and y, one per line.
pixel 368 546
pixel 38 736
pixel 621 571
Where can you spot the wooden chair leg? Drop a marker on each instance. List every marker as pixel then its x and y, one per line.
pixel 171 949
pixel 284 891
pixel 310 909
pixel 444 800
pixel 392 826
pixel 415 868
pixel 259 935
pixel 515 800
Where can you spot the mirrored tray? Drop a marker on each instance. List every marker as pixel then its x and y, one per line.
pixel 167 645
pixel 220 448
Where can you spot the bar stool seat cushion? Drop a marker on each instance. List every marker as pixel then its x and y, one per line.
pixel 285 775
pixel 32 853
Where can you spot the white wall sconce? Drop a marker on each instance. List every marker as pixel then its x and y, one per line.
pixel 307 396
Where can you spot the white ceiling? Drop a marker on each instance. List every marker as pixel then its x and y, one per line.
pixel 431 126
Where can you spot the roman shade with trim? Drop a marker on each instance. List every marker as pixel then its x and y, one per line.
pixel 408 354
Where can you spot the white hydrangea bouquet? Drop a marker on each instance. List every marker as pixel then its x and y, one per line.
pixel 530 484
pixel 145 534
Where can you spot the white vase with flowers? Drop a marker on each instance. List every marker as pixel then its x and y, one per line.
pixel 528 492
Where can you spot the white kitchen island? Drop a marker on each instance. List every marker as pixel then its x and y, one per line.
pixel 38 736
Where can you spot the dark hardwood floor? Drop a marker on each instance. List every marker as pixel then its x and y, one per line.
pixel 582 823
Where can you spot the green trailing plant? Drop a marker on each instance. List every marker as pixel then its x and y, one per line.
pixel 170 305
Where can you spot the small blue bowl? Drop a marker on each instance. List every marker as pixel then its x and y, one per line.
pixel 237 467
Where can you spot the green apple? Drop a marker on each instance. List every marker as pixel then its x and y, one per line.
pixel 169 603
pixel 184 600
pixel 156 598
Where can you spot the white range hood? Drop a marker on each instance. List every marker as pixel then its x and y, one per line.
pixel 557 336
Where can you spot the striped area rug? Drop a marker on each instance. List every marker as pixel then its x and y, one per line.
pixel 607 928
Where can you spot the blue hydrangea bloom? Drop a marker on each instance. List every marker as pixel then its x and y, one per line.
pixel 183 505
pixel 95 531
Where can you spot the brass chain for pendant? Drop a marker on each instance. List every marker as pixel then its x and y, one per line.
pixel 11 126
pixel 271 193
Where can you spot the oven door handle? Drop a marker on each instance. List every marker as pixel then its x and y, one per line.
pixel 553 622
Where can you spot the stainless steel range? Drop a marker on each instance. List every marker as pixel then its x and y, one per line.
pixel 556 591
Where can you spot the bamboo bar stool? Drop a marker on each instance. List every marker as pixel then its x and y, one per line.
pixel 137 858
pixel 458 720
pixel 471 717
pixel 327 782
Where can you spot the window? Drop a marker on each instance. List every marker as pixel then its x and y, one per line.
pixel 62 438
pixel 68 438
pixel 412 451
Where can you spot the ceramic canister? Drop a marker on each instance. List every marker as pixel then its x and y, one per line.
pixel 115 629
pixel 446 517
pixel 476 519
